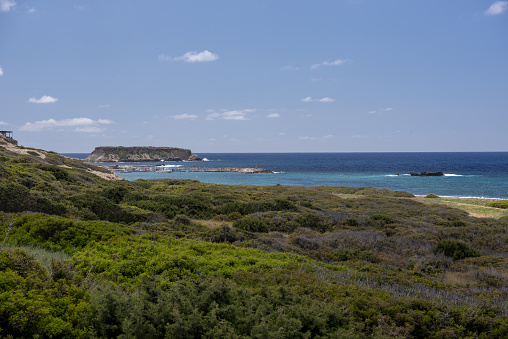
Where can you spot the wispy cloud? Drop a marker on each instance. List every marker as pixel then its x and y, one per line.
pixel 231 115
pixel 32 10
pixel 184 116
pixel 330 63
pixel 1 71
pixel 80 124
pixel 498 7
pixel 191 57
pixel 6 5
pixel 387 109
pixel 3 123
pixel 104 106
pixel 326 99
pixel 90 129
pixel 45 99
pixel 324 137
pixel 273 115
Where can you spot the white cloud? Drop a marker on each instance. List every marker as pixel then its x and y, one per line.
pixel 329 136
pixel 1 71
pixel 204 56
pixel 273 115
pixel 498 7
pixel 45 99
pixel 104 121
pixel 330 63
pixel 184 116
pixel 32 10
pixel 104 106
pixel 6 5
pixel 387 109
pixel 80 124
pixel 326 99
pixel 3 123
pixel 231 115
pixel 90 129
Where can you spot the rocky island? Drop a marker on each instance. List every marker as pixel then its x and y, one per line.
pixel 427 174
pixel 140 154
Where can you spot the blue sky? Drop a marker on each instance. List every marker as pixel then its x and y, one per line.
pixel 256 76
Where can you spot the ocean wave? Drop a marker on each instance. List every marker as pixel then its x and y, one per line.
pixel 278 172
pixel 453 175
pixel 205 159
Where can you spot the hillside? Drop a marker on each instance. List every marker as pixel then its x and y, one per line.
pixel 82 256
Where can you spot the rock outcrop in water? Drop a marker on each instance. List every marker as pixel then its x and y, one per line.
pixel 427 174
pixel 140 154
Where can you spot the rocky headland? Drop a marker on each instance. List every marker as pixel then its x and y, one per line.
pixel 140 154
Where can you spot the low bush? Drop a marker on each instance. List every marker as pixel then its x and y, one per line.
pixel 61 234
pixel 15 198
pixel 498 204
pixel 250 224
pixel 381 217
pixel 351 222
pixel 34 304
pixel 455 249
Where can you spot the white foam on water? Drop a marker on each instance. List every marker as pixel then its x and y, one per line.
pixel 452 175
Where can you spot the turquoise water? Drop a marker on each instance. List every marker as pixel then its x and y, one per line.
pixel 479 174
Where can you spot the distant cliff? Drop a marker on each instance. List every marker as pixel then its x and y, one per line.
pixel 140 154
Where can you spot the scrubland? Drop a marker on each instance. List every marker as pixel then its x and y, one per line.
pixel 90 258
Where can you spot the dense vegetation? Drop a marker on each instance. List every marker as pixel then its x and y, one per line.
pixel 89 258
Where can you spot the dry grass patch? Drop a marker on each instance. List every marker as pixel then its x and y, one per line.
pixel 474 207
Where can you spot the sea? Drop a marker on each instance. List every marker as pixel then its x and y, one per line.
pixel 467 174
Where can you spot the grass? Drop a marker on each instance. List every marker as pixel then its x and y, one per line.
pixel 474 207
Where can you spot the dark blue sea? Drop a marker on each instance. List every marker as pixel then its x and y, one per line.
pixel 475 174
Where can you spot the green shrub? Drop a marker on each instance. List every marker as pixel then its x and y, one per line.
pixel 351 222
pixel 312 221
pixel 36 305
pixel 15 198
pixel 431 196
pixel 115 193
pixel 455 249
pixel 50 206
pixel 58 172
pixel 498 204
pixel 57 233
pixel 384 218
pixel 250 224
pixel 182 219
pixel 458 223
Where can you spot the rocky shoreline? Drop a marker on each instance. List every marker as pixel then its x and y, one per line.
pixel 165 169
